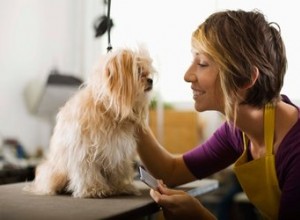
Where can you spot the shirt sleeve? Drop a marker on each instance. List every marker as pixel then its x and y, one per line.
pixel 218 152
pixel 287 163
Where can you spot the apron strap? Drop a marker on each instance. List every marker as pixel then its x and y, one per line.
pixel 269 127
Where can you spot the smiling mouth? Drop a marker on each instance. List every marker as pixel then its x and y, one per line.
pixel 198 93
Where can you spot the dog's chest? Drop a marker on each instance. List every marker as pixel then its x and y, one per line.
pixel 118 141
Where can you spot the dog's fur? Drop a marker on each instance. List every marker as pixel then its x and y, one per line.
pixel 93 145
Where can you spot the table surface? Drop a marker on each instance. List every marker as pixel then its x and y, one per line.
pixel 17 204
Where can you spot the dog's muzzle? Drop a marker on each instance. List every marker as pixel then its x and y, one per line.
pixel 149 84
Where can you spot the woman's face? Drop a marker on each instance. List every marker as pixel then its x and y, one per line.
pixel 203 74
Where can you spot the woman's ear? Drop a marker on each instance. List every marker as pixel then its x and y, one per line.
pixel 254 77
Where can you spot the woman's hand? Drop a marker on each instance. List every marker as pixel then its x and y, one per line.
pixel 177 204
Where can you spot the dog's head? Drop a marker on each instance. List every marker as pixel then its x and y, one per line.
pixel 123 83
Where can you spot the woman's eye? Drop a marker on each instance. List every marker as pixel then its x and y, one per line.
pixel 202 64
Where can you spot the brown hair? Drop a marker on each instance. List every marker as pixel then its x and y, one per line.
pixel 239 42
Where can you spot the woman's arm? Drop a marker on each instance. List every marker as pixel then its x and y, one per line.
pixel 161 163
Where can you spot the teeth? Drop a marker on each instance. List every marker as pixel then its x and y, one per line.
pixel 197 92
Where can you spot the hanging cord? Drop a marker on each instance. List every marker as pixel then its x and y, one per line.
pixel 109 47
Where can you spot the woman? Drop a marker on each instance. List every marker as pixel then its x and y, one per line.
pixel 238 67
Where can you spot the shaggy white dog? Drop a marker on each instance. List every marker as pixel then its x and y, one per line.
pixel 93 145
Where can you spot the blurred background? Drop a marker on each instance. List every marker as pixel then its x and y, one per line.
pixel 41 36
pixel 49 47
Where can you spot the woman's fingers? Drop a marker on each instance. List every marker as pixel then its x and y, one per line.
pixel 161 199
pixel 163 189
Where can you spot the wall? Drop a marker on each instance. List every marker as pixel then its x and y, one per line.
pixel 36 36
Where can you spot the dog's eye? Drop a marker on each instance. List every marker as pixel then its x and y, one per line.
pixel 144 75
pixel 140 70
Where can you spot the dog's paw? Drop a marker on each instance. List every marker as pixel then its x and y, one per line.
pixel 130 189
pixel 93 193
pixel 32 188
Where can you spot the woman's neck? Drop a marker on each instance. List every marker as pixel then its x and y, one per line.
pixel 251 121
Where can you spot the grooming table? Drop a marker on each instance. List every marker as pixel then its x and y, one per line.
pixel 17 204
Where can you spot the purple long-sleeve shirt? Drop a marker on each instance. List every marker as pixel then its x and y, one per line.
pixel 225 146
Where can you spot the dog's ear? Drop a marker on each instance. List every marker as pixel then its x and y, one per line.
pixel 122 82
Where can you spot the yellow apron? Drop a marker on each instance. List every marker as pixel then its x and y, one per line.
pixel 258 177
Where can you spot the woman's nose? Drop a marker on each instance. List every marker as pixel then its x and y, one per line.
pixel 189 76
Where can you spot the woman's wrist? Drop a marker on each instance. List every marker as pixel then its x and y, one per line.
pixel 204 213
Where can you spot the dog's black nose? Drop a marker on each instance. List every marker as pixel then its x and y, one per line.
pixel 149 81
pixel 149 84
